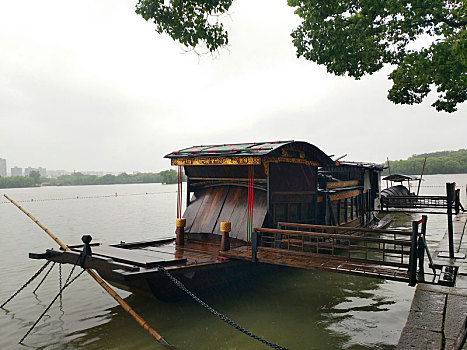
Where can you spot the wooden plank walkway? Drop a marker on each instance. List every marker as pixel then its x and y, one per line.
pixel 438 314
pixel 138 257
pixel 198 249
pixel 313 261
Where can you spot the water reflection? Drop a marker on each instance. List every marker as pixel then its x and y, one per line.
pixel 296 309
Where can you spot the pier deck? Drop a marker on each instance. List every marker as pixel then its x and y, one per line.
pixel 361 251
pixel 438 313
pixel 320 262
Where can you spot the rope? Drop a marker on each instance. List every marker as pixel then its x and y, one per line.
pixel 27 283
pixel 67 283
pixel 87 197
pixel 179 192
pixel 249 210
pixel 218 314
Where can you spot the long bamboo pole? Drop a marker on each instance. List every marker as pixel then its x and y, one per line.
pixel 421 176
pixel 101 282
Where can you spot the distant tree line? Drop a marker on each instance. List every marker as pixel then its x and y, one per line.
pixel 76 179
pixel 444 162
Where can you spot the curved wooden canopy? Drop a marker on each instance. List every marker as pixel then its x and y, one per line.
pixel 249 153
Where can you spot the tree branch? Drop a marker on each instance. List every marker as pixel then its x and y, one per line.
pixel 450 22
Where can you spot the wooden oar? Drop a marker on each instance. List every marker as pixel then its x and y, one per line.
pixel 101 282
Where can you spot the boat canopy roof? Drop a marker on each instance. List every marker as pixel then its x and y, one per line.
pixel 365 165
pixel 249 153
pixel 401 177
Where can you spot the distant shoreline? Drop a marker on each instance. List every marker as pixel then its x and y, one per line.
pixel 79 179
pixel 45 184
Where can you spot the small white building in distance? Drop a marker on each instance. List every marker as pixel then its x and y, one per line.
pixel 16 171
pixel 2 167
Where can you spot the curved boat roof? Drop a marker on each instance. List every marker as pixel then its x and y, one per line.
pixel 303 150
pixel 400 178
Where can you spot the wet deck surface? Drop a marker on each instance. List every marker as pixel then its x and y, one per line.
pixel 318 261
pixel 197 250
pixel 438 313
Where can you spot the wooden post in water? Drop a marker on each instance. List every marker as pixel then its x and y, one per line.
pixel 421 176
pixel 457 201
pixel 450 194
pixel 421 246
pixel 101 282
pixel 180 231
pixel 413 255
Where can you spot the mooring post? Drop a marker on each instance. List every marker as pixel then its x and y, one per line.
pixel 254 246
pixel 180 231
pixel 225 240
pixel 421 246
pixel 457 202
pixel 413 255
pixel 450 193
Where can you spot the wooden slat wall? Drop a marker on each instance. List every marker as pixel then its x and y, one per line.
pixel 209 210
pixel 192 210
pixel 226 203
pixel 233 207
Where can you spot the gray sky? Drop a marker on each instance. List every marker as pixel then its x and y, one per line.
pixel 89 85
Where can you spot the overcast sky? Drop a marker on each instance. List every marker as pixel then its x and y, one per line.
pixel 89 85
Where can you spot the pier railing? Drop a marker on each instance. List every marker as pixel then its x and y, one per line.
pixel 414 202
pixel 376 248
pixel 390 247
pixel 449 202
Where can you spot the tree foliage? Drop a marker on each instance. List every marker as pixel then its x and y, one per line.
pixel 169 176
pixel 78 179
pixel 352 37
pixel 16 182
pixel 445 162
pixel 191 22
pixel 34 174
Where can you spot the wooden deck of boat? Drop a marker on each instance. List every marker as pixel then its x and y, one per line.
pixel 319 262
pixel 148 255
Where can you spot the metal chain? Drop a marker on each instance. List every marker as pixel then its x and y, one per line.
pixel 218 314
pixel 60 278
pixel 26 284
pixel 51 303
pixel 43 279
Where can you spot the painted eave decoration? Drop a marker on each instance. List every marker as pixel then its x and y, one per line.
pixel 254 153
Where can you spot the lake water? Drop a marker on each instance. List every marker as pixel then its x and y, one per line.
pixel 295 308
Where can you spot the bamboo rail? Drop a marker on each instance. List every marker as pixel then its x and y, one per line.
pixel 101 282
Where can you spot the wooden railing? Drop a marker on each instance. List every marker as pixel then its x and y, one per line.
pixel 414 202
pixel 392 248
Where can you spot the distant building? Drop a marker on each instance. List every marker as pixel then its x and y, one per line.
pixel 16 171
pixel 28 170
pixel 55 173
pixel 2 167
pixel 42 171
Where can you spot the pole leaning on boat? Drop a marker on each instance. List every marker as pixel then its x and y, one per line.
pixel 101 282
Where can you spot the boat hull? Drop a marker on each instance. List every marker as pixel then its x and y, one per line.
pixel 158 285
